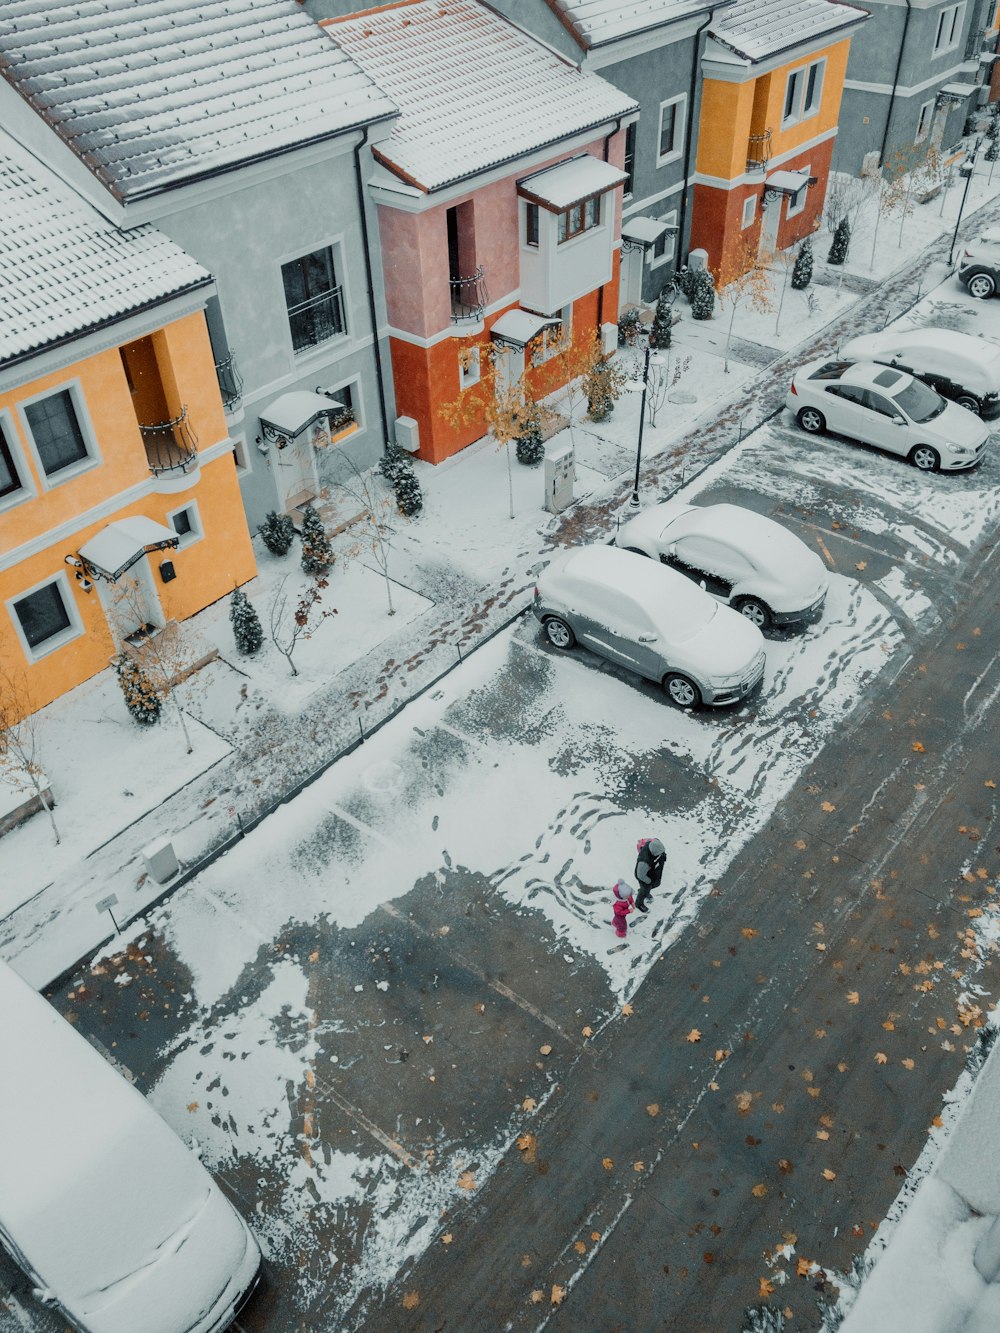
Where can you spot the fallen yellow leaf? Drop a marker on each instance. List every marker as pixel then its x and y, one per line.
pixel 537 1297
pixel 588 1032
pixel 411 1300
pixel 558 1295
pixel 627 1010
pixel 447 1238
pixel 759 1191
pixel 853 997
pixel 828 806
pixel 607 1163
pixel 829 1175
pixel 908 1064
pixel 918 748
pixel 765 1288
pixel 881 1058
pixel 467 1181
pixel 694 1035
pixel 653 1108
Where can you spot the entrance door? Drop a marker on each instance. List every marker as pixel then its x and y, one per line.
pixel 295 476
pixel 630 282
pixel 769 226
pixel 509 369
pixel 131 606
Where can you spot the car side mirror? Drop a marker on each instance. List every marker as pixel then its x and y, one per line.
pixel 647 638
pixel 44 1296
pixel 703 586
pixel 899 421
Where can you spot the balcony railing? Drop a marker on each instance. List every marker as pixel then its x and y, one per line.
pixel 230 382
pixel 469 297
pixel 316 320
pixel 171 446
pixel 759 151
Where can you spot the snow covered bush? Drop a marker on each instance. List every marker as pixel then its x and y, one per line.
pixel 246 623
pixel 803 270
pixel 662 328
pixel 317 553
pixel 628 326
pixel 397 469
pixel 992 148
pixel 530 448
pixel 141 699
pixel 277 533
pixel 841 240
pixel 687 280
pixel 762 1319
pixel 703 303
pixel 603 384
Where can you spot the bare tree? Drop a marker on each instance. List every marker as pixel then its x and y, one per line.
pixel 164 655
pixel 286 633
pixel 19 765
pixel 745 279
pixel 368 491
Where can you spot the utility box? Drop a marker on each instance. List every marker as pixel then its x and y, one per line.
pixel 408 434
pixel 161 860
pixel 698 260
pixel 559 476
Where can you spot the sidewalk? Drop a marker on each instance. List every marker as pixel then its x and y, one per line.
pixel 459 572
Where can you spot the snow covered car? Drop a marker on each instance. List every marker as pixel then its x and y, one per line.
pixel 956 365
pixel 979 264
pixel 653 621
pixel 748 561
pixel 887 408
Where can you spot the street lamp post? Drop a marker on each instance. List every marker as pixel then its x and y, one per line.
pixel 634 502
pixel 967 169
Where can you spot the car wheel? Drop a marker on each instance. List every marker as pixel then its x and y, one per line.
pixel 925 458
pixel 681 691
pixel 967 401
pixel 560 634
pixel 811 419
pixel 756 612
pixel 981 285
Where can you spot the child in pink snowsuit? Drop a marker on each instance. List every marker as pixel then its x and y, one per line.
pixel 623 904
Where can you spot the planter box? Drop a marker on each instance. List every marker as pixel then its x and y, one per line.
pixel 17 806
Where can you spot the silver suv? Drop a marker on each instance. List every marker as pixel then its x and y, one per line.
pixel 979 264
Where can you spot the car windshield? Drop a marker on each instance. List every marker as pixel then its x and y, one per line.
pixel 830 370
pixel 919 402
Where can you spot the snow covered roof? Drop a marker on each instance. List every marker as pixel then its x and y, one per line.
pixel 644 230
pixel 64 269
pixel 150 93
pixel 559 187
pixel 758 29
pixel 595 22
pixel 293 412
pixel 520 326
pixel 474 91
pixel 117 547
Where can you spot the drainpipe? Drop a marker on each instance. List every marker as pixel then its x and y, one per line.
pixel 895 82
pixel 600 294
pixel 689 130
pixel 373 314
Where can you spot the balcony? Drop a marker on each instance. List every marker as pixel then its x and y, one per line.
pixel 759 151
pixel 317 319
pixel 171 446
pixel 469 297
pixel 230 382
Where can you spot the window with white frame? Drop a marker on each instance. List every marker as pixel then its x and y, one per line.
pixel 949 28
pixel 574 221
pixel 469 367
pixel 314 299
pixel 803 92
pixel 531 224
pixel 45 617
pixel 671 131
pixel 554 338
pixel 12 486
pixel 797 201
pixel 57 430
pixel 628 165
pixel 749 211
pixel 924 121
pixel 665 245
pixel 241 455
pixel 186 522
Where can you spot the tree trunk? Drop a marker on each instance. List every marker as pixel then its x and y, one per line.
pixel 48 810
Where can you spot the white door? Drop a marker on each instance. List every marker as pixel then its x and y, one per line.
pixel 295 476
pixel 769 226
pixel 509 369
pixel 131 605
pixel 630 283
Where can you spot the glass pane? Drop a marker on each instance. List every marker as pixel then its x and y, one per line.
pixel 667 117
pixel 9 480
pixel 56 432
pixel 42 615
pixel 563 226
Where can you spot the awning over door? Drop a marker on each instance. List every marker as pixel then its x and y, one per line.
pixel 122 543
pixel 560 187
pixel 790 183
pixel 516 328
pixel 643 233
pixel 294 412
pixel 956 93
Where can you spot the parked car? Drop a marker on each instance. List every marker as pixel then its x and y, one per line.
pixel 652 620
pixel 957 365
pixel 979 264
pixel 116 1223
pixel 746 560
pixel 887 408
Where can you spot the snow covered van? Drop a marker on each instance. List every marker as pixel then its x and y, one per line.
pixel 116 1223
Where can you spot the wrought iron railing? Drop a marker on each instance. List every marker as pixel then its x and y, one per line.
pixel 759 151
pixel 316 320
pixel 469 297
pixel 171 446
pixel 230 382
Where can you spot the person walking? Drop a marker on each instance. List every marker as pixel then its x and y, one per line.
pixel 623 904
pixel 648 869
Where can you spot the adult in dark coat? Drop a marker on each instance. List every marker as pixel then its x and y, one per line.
pixel 649 870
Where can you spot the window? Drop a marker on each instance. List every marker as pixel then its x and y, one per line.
pixel 241 456
pixel 313 299
pixel 671 130
pixel 924 120
pixel 10 477
pixel 665 246
pixel 45 617
pixel 554 338
pixel 797 202
pixel 186 523
pixel 578 219
pixel 749 211
pixel 55 429
pixel 803 92
pixel 468 367
pixel 949 28
pixel 629 164
pixel 531 224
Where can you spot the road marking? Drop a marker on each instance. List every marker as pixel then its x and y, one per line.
pixel 390 1144
pixel 975 686
pixel 498 986
pixel 822 546
pixel 359 825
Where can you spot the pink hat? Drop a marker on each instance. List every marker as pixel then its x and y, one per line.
pixel 622 891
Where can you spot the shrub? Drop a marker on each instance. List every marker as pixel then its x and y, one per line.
pixel 277 533
pixel 317 553
pixel 803 270
pixel 628 327
pixel 245 622
pixel 141 699
pixel 841 241
pixel 409 497
pixel 687 280
pixel 603 385
pixel 662 328
pixel 703 304
pixel 992 149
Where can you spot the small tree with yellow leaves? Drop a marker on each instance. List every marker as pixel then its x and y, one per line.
pixel 745 279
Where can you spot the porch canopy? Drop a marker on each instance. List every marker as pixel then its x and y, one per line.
pixel 956 93
pixel 293 412
pixel 789 183
pixel 642 233
pixel 560 187
pixel 118 546
pixel 516 328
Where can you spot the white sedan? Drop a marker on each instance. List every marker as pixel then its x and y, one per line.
pixel 744 559
pixel 887 408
